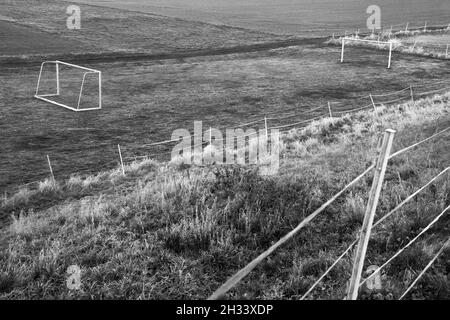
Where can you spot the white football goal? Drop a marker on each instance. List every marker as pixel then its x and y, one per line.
pixel 70 86
pixel 374 42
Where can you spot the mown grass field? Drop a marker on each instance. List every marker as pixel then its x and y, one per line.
pixel 144 102
pixel 170 231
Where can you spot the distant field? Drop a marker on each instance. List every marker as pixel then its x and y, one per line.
pixel 16 40
pixel 145 101
pixel 28 27
pixel 301 17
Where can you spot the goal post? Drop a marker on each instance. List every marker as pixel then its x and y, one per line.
pixel 70 96
pixel 375 42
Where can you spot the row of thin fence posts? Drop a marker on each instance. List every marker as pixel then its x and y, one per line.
pixel 52 175
pixel 266 119
pixel 406 30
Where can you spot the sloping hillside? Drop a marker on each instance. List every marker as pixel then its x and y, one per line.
pixel 167 230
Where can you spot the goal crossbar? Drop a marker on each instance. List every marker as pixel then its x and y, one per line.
pixel 44 97
pixel 368 41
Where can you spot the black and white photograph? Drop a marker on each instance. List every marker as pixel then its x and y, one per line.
pixel 234 157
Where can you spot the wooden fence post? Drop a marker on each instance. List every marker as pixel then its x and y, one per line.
pixel 51 169
pixel 412 94
pixel 406 29
pixel 373 103
pixel 342 52
pixel 379 172
pixel 121 160
pixel 390 55
pixel 425 27
pixel 329 110
pixel 267 129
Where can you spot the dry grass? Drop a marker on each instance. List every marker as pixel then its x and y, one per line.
pixel 171 231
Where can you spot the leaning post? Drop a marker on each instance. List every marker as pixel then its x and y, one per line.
pixel 121 160
pixel 379 172
pixel 373 103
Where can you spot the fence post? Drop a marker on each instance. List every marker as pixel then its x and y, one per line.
pixel 51 169
pixel 373 103
pixel 210 136
pixel 379 171
pixel 342 52
pixel 329 110
pixel 390 55
pixel 121 160
pixel 267 129
pixel 412 94
pixel 57 78
pixel 406 29
pixel 425 27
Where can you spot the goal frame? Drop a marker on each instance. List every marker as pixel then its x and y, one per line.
pixel 370 41
pixel 57 63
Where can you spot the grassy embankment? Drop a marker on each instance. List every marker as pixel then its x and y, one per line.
pixel 174 231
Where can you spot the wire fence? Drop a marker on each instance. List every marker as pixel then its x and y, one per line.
pixel 411 45
pixel 446 244
pixel 238 276
pixel 390 213
pixel 316 113
pixel 400 29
